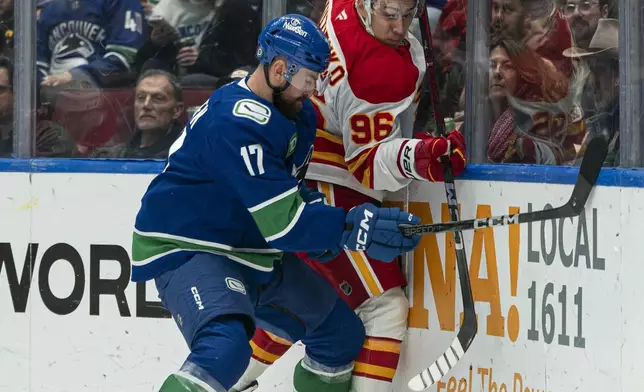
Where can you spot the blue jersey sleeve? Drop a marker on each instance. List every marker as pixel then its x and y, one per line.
pixel 126 33
pixel 251 158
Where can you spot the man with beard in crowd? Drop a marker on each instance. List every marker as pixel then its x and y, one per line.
pixel 583 17
pixel 600 100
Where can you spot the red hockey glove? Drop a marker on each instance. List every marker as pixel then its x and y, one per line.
pixel 429 151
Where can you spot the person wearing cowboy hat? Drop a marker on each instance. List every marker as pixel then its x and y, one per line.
pixel 583 17
pixel 600 97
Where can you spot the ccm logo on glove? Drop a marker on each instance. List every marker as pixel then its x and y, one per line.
pixel 363 231
pixel 376 231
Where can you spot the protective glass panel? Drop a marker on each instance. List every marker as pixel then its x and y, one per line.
pixel 553 73
pixel 7 27
pixel 312 9
pixel 121 81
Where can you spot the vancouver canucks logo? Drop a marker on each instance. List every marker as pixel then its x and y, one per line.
pixel 70 52
pixel 291 145
pixel 73 45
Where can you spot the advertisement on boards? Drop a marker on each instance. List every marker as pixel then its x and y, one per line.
pixel 557 301
pixel 548 295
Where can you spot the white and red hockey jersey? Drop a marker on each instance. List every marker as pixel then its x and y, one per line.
pixel 366 115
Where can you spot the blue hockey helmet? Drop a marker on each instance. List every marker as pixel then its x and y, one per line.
pixel 299 40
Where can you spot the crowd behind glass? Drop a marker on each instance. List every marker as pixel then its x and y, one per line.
pixel 553 74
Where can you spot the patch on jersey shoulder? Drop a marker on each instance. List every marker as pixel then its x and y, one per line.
pixel 251 109
pixel 291 145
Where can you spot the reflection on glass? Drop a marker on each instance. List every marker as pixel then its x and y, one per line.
pixel 121 81
pixel 553 77
pixel 553 72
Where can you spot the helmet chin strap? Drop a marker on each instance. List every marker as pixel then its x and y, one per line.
pixel 366 21
pixel 276 90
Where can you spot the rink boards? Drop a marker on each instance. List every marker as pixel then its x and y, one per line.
pixel 559 302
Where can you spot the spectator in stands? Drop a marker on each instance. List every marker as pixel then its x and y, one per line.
pixel 148 6
pixel 158 105
pixel 40 4
pixel 51 140
pixel 178 28
pixel 6 107
pixel 529 96
pixel 224 51
pixel 449 35
pixel 6 28
pixel 600 101
pixel 236 75
pixel 583 17
pixel 449 42
pixel 312 9
pixel 539 24
pixel 192 39
pixel 89 41
pixel 434 10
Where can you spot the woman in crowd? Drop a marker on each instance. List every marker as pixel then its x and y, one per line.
pixel 533 117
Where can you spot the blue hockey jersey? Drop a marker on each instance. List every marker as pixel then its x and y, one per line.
pixel 95 36
pixel 231 187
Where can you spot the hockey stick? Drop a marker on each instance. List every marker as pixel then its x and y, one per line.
pixel 588 173
pixel 469 327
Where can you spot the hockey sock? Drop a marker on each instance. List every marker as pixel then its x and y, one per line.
pixel 376 365
pixel 267 348
pixel 311 376
pixel 253 371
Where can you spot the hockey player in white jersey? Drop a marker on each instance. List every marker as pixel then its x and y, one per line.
pixel 364 148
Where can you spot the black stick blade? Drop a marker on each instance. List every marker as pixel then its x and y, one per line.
pixel 591 165
pixel 593 159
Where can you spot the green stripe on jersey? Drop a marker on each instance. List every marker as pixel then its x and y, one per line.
pixel 148 248
pixel 127 52
pixel 276 217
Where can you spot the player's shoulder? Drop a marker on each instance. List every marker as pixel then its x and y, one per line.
pixel 377 73
pixel 239 105
pixel 246 115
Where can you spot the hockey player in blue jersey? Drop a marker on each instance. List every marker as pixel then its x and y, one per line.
pixel 217 227
pixel 95 38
